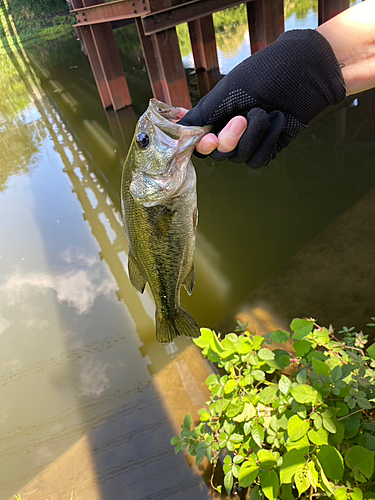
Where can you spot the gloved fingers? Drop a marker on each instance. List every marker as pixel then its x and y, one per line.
pixel 192 118
pixel 263 153
pixel 258 124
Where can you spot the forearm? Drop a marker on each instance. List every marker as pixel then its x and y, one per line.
pixel 352 38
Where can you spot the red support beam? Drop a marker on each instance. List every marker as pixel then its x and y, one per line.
pixel 203 43
pixel 164 65
pixel 330 8
pixel 111 11
pixel 184 13
pixel 104 60
pixel 266 22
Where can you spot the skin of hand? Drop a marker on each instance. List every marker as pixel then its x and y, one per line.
pixel 352 38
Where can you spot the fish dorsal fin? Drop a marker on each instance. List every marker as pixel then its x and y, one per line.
pixel 135 276
pixel 190 281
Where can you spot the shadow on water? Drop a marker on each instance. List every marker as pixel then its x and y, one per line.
pixel 100 398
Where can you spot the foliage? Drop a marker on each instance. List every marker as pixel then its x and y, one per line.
pixel 28 19
pixel 230 28
pixel 300 8
pixel 291 422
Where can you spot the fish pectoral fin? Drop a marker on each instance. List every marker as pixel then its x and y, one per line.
pixel 190 281
pixel 136 278
pixel 163 222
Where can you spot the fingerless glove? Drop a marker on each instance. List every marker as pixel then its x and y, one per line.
pixel 280 89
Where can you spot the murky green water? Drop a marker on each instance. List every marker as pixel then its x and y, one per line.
pixel 78 355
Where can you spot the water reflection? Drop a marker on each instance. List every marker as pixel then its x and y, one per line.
pixel 79 408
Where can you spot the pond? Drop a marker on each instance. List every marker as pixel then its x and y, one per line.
pixel 89 400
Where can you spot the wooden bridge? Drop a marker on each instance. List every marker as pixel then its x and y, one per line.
pixel 156 22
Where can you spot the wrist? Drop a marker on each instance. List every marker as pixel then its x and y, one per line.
pixel 351 35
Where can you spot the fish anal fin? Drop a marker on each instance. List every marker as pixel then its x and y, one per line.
pixel 136 278
pixel 163 222
pixel 190 281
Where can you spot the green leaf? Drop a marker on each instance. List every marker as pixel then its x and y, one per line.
pixel 313 475
pixel 301 479
pixel 234 408
pixel 228 345
pixel 340 493
pixel 228 481
pixel 247 427
pixel 318 437
pixel 319 367
pixel 329 425
pixel 301 348
pixel 269 394
pixel 257 433
pixel 255 493
pixel 236 438
pixel 212 379
pixel 230 386
pixel 301 327
pixel 243 345
pixel 297 427
pixel 280 336
pixel 267 458
pixel 188 421
pixel 284 384
pixel 247 414
pixel 266 354
pixel 221 405
pixel 175 440
pixel 205 338
pixel 281 361
pixel 305 394
pixel 259 375
pixel 301 376
pixel 371 351
pixel 331 462
pixel 269 483
pixel 292 460
pixel 257 342
pixel 248 474
pixel 287 492
pixel 356 494
pixel 200 452
pixel 318 422
pixel 321 336
pixel 303 445
pixel 360 459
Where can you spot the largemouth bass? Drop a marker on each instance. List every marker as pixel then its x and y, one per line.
pixel 159 205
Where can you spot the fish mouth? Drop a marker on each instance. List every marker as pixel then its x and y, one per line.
pixel 165 117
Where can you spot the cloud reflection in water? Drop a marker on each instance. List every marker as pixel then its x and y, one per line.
pixel 78 287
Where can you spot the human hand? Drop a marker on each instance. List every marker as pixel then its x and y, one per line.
pixel 265 101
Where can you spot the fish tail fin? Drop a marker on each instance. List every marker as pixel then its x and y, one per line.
pixel 181 324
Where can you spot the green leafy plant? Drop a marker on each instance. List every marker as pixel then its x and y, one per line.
pixel 289 422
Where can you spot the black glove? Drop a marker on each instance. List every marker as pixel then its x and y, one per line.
pixel 279 90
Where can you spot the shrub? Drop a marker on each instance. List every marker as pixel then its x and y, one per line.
pixel 291 422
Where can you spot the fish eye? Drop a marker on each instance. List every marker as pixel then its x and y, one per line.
pixel 142 140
